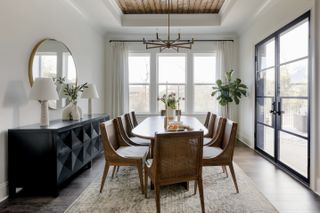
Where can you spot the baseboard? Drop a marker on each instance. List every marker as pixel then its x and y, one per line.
pixel 3 191
pixel 243 141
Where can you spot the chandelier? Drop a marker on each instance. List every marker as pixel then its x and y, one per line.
pixel 168 44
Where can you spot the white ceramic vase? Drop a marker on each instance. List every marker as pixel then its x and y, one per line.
pixel 72 112
pixel 171 113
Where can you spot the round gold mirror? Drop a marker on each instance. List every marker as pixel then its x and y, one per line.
pixel 52 59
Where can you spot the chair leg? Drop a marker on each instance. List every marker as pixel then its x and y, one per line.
pixel 157 189
pixel 118 167
pixel 195 187
pixel 105 173
pixel 224 168
pixel 113 171
pixel 233 176
pixel 139 166
pixel 200 184
pixel 145 182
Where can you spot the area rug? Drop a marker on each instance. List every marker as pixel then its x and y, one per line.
pixel 122 194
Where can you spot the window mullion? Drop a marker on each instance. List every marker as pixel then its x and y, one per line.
pixel 189 84
pixel 153 83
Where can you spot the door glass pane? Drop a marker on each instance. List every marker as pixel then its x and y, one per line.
pixel 172 88
pixel 265 139
pixel 294 79
pixel 203 102
pixel 172 69
pixel 294 43
pixel 139 68
pixel 265 83
pixel 294 152
pixel 266 55
pixel 264 105
pixel 139 98
pixel 294 117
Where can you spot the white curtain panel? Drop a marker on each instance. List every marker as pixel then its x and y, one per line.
pixel 226 60
pixel 119 75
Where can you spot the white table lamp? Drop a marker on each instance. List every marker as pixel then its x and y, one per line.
pixel 90 93
pixel 43 89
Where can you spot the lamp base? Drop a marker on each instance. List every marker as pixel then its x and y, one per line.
pixel 44 120
pixel 89 107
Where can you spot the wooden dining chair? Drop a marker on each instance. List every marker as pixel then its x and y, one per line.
pixel 163 112
pixel 206 122
pixel 177 158
pixel 215 156
pixel 125 130
pixel 218 131
pixel 120 155
pixel 134 119
pixel 211 126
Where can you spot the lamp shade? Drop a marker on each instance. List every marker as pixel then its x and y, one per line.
pixel 44 89
pixel 90 92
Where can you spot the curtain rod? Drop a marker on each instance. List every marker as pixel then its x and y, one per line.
pixel 201 40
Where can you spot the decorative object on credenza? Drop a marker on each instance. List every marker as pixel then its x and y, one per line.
pixel 72 111
pixel 43 89
pixel 90 93
pixel 229 91
pixel 175 44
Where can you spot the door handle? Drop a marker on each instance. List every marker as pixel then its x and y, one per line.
pixel 279 112
pixel 273 110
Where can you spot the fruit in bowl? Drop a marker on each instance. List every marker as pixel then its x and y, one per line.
pixel 173 126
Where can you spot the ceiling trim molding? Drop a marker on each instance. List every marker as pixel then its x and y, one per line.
pixel 227 5
pixel 114 5
pixel 159 20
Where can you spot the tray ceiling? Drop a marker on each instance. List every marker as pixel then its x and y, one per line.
pixel 178 6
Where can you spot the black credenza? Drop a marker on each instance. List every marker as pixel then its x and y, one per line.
pixel 43 159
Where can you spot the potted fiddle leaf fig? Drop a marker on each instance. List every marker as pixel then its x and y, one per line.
pixel 229 91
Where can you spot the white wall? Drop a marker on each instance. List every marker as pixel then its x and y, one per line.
pixel 277 15
pixel 23 24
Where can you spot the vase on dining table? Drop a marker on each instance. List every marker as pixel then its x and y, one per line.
pixel 171 113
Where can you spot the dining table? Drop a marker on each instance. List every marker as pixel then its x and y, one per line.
pixel 156 124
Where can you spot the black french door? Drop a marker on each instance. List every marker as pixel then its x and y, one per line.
pixel 282 109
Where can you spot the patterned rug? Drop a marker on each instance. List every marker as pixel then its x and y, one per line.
pixel 122 194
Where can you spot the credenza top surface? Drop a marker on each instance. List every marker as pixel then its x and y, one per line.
pixel 60 124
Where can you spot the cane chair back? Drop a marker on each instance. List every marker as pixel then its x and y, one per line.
pixel 178 156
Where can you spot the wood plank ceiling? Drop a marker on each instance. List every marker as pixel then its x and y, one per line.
pixel 178 6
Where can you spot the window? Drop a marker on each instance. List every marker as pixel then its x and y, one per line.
pixel 139 82
pixel 189 75
pixel 204 70
pixel 172 77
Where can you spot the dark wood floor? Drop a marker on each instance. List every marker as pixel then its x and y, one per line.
pixel 286 194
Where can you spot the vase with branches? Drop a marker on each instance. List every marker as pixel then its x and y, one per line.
pixel 171 102
pixel 72 111
pixel 229 91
